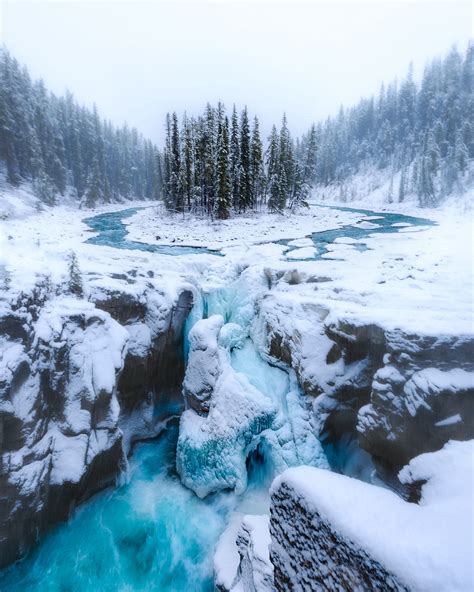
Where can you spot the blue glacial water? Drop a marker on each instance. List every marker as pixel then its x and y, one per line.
pixel 380 223
pixel 112 232
pixel 149 535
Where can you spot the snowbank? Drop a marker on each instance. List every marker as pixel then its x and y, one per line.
pixel 427 546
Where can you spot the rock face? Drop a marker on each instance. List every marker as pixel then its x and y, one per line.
pixel 309 554
pixel 71 379
pixel 60 441
pixel 421 398
pixel 399 394
pixel 155 321
pixel 332 532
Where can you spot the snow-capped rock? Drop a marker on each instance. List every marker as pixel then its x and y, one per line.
pixel 406 393
pixel 421 397
pixel 59 419
pixel 71 379
pixel 253 571
pixel 203 367
pixel 331 532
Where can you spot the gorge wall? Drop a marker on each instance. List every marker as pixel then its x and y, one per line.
pixel 79 381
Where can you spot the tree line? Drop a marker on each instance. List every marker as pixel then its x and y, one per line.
pixel 424 133
pixel 61 147
pixel 215 165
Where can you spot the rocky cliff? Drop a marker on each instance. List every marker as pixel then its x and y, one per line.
pixel 331 532
pixel 72 372
pixel 397 393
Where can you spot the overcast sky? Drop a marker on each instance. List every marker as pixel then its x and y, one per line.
pixel 138 60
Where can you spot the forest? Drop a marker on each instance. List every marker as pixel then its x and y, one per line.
pixel 63 148
pixel 212 165
pixel 423 132
pixel 215 164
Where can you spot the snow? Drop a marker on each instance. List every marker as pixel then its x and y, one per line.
pixel 427 546
pixel 420 280
pixel 226 555
pixel 242 556
pixel 434 381
pixel 242 231
pixel 304 253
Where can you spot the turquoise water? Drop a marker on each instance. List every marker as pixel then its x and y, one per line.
pixel 384 225
pixel 149 535
pixel 112 232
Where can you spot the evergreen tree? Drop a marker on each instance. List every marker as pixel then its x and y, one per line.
pixel 257 175
pixel 235 157
pixel 58 146
pixel 224 186
pixel 245 182
pixel 75 285
pixel 94 190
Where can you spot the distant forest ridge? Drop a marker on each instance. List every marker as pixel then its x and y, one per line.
pixel 424 132
pixel 60 146
pixel 422 135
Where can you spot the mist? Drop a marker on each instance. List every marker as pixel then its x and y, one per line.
pixel 138 60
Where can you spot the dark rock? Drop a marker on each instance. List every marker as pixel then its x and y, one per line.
pixel 309 555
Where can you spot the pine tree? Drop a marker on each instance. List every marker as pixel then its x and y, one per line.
pixel 75 284
pixel 175 187
pixel 287 165
pixel 402 186
pixel 95 188
pixel 235 157
pixel 426 193
pixel 224 186
pixel 256 164
pixel 58 145
pixel 245 181
pixel 272 162
pixel 187 160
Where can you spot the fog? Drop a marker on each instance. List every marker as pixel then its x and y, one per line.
pixel 138 60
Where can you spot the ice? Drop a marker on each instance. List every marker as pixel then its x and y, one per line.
pixel 304 253
pixel 240 405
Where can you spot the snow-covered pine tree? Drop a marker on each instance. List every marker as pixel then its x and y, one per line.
pixel 235 157
pixel 95 189
pixel 187 159
pixel 54 143
pixel 257 173
pixel 245 180
pixel 75 285
pixel 176 190
pixel 224 186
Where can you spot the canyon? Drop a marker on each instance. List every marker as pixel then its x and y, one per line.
pixel 343 349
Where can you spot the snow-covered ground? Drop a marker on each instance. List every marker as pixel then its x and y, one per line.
pixel 156 226
pixel 414 278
